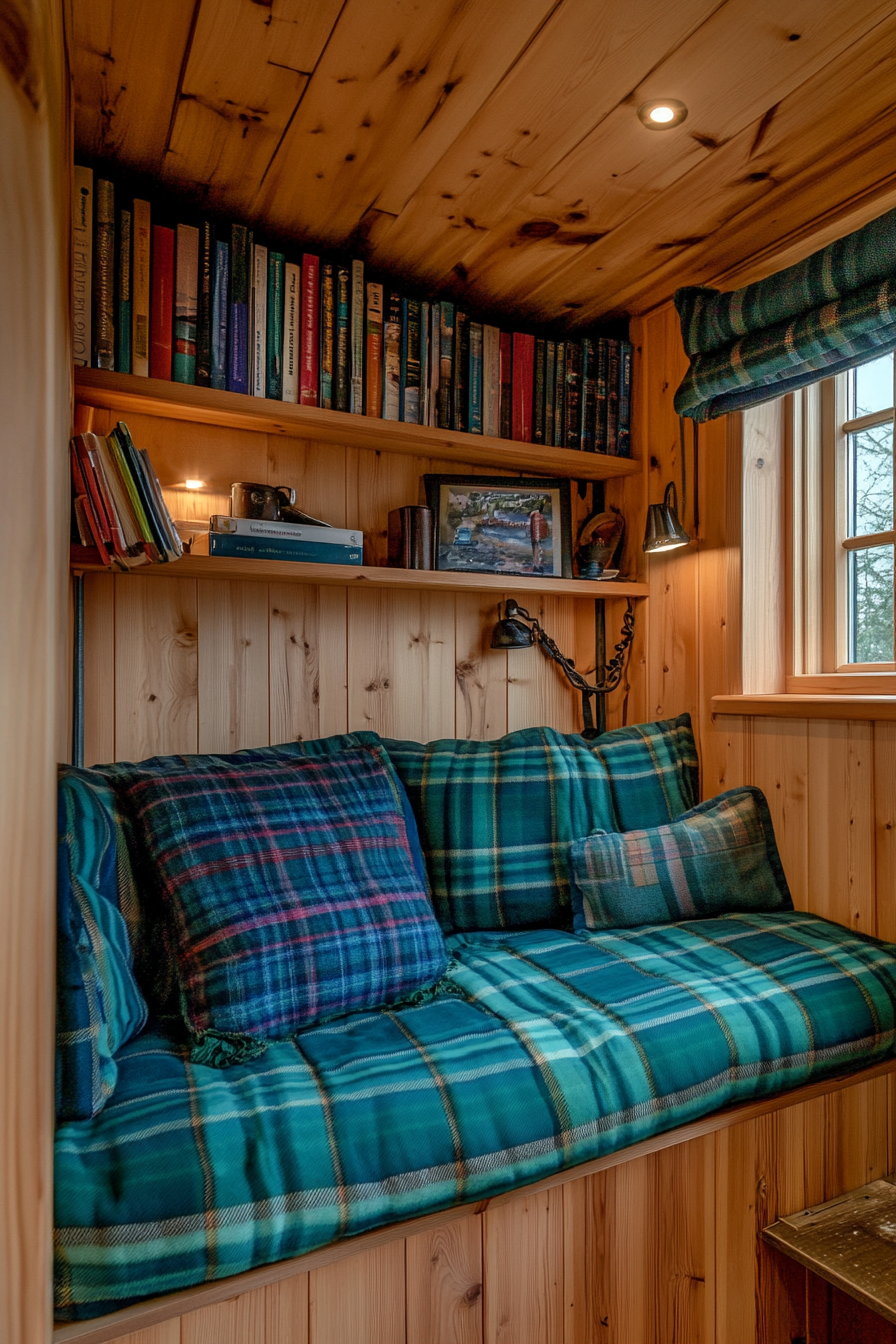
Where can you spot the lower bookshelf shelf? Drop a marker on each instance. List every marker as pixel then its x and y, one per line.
pixel 374 577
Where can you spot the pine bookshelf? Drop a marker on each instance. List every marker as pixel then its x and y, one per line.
pixel 124 393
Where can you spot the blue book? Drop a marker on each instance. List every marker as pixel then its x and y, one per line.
pixel 424 363
pixel 275 327
pixel 474 384
pixel 238 325
pixel 220 292
pixel 403 366
pixel 281 548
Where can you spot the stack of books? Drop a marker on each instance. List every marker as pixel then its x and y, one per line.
pixel 217 307
pixel 258 539
pixel 119 518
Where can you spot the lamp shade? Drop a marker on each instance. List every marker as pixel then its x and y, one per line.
pixel 664 532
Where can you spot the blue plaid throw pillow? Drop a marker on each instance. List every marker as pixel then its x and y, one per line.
pixel 718 859
pixel 99 1006
pixel 291 888
pixel 496 818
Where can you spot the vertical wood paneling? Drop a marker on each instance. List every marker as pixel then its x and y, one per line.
pixel 537 690
pixel 99 668
pixel 286 1311
pixel 232 645
pixel 307 662
pixel 169 1332
pixel 624 1270
pixel 841 822
pixel 480 671
pixel 444 1284
pixel 856 1136
pixel 360 1300
pixel 683 1293
pixel 401 664
pixel 780 768
pixel 316 471
pixel 156 707
pixel 885 829
pixel 523 1261
pixel 763 568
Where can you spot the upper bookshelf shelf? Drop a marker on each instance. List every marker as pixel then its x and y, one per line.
pixel 123 392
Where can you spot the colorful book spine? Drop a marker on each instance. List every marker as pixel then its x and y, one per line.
pixel 292 307
pixel 140 288
pixel 258 368
pixel 491 381
pixel 392 359
pixel 162 303
pixel 82 265
pixel 274 384
pixel 123 290
pixel 104 277
pixel 374 390
pixel 474 396
pixel 204 319
pixel 435 361
pixel 588 396
pixel 342 344
pixel 186 304
pixel 411 364
pixel 523 386
pixel 613 398
pixel 308 368
pixel 279 548
pixel 220 311
pixel 600 395
pixel 356 400
pixel 550 390
pixel 573 394
pixel 560 396
pixel 506 357
pixel 538 398
pixel 327 335
pixel 403 358
pixel 624 433
pixel 238 327
pixel 446 365
pixel 461 369
pixel 424 362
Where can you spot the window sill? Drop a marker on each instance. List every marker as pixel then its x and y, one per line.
pixel 838 706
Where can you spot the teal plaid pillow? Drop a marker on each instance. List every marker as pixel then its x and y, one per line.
pixel 718 859
pixel 496 818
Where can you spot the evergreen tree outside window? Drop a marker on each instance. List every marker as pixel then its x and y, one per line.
pixel 865 444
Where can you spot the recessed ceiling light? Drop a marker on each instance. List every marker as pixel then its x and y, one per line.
pixel 194 485
pixel 661 114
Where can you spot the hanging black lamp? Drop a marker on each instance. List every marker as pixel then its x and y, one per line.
pixel 664 532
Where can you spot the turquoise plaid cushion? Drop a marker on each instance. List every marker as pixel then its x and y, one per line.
pixel 291 888
pixel 99 1006
pixel 717 859
pixel 496 818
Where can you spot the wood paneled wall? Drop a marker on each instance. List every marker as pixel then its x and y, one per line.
pixel 35 371
pixel 185 665
pixel 660 1249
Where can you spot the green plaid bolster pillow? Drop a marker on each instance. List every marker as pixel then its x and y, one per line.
pixel 496 818
pixel 717 859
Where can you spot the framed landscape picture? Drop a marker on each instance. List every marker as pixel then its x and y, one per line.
pixel 501 525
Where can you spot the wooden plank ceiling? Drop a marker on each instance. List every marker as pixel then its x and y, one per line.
pixel 490 148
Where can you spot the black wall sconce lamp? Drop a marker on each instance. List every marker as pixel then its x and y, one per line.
pixel 664 531
pixel 516 629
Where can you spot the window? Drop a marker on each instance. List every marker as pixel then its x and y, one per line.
pixel 843 530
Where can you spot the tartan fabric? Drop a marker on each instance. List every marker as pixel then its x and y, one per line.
pixel 719 858
pixel 496 818
pixel 828 313
pixel 290 886
pixel 559 1048
pixel 99 1006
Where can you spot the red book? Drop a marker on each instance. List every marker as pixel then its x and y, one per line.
pixel 310 333
pixel 91 486
pixel 523 386
pixel 86 508
pixel 506 363
pixel 161 312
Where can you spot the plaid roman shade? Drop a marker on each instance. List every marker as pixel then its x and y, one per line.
pixel 828 313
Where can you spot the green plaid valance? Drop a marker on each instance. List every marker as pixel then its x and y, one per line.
pixel 828 313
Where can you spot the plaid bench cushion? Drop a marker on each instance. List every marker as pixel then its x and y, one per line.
pixel 496 818
pixel 290 887
pixel 554 1049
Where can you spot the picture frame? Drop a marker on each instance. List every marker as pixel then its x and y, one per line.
pixel 514 525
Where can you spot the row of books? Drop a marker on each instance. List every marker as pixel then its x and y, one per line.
pixel 259 539
pixel 118 511
pixel 217 308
